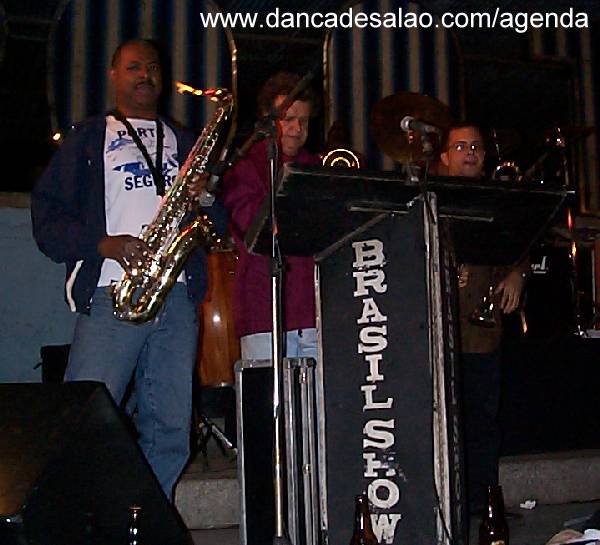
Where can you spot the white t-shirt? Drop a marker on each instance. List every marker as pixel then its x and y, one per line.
pixel 130 195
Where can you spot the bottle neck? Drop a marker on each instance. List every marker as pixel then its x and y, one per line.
pixel 362 517
pixel 495 502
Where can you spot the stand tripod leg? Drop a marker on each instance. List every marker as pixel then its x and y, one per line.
pixel 212 430
pixel 213 401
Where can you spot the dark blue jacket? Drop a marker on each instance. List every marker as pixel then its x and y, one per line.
pixel 69 217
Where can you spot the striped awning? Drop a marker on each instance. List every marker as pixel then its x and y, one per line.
pixel 87 32
pixel 364 65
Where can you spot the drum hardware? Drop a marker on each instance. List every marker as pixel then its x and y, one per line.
pixel 506 171
pixel 206 430
pixel 392 140
pixel 556 143
pixel 557 140
pixel 555 163
pixel 408 128
pixel 554 140
pixel 537 165
pixel 579 330
pixel 593 324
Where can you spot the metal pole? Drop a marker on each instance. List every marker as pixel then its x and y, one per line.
pixel 280 537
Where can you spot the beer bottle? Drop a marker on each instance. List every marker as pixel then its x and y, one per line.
pixel 133 537
pixel 493 529
pixel 363 530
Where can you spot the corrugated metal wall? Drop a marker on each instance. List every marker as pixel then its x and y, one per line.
pixel 365 65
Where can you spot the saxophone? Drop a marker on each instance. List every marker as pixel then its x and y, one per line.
pixel 140 293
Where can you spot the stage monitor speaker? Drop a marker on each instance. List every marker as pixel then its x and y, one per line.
pixel 70 470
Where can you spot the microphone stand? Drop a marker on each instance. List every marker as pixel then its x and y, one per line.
pixel 277 272
pixel 429 154
pixel 277 344
pixel 267 128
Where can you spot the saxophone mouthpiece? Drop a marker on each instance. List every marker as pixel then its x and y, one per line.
pixel 184 88
pixel 215 95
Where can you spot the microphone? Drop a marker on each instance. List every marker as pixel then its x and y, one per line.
pixel 409 123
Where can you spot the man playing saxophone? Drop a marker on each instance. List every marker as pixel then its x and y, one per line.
pixel 102 187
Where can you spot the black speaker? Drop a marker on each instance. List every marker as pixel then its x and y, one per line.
pixel 70 470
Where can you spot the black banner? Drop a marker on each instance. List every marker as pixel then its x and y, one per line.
pixel 377 383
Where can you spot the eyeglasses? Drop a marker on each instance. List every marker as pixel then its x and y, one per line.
pixel 463 146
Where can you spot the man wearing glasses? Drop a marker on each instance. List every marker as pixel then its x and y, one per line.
pixel 463 154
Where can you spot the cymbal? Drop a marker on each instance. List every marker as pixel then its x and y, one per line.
pixel 389 112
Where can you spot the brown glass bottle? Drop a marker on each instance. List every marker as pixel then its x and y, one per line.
pixel 133 537
pixel 363 529
pixel 493 529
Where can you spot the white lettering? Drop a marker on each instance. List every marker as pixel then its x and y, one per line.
pixel 274 14
pixel 368 253
pixel 411 20
pixel 377 437
pixel 346 19
pixel 374 375
pixel 373 278
pixel 371 312
pixel 581 20
pixel 372 463
pixel 368 389
pixel 379 467
pixel 392 496
pixel 372 339
pixel 384 526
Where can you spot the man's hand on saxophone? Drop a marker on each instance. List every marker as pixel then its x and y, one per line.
pixel 129 251
pixel 198 191
pixel 197 184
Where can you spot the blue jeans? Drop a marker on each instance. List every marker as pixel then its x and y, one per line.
pixel 300 343
pixel 161 354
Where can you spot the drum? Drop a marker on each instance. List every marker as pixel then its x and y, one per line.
pixel 218 345
pixel 507 171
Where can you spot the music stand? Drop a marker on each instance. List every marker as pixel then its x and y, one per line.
pixel 381 260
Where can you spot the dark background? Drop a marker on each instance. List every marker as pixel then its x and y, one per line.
pixel 502 87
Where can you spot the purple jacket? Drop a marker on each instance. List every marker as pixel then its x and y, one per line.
pixel 245 188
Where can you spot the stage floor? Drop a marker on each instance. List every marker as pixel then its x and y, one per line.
pixel 533 527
